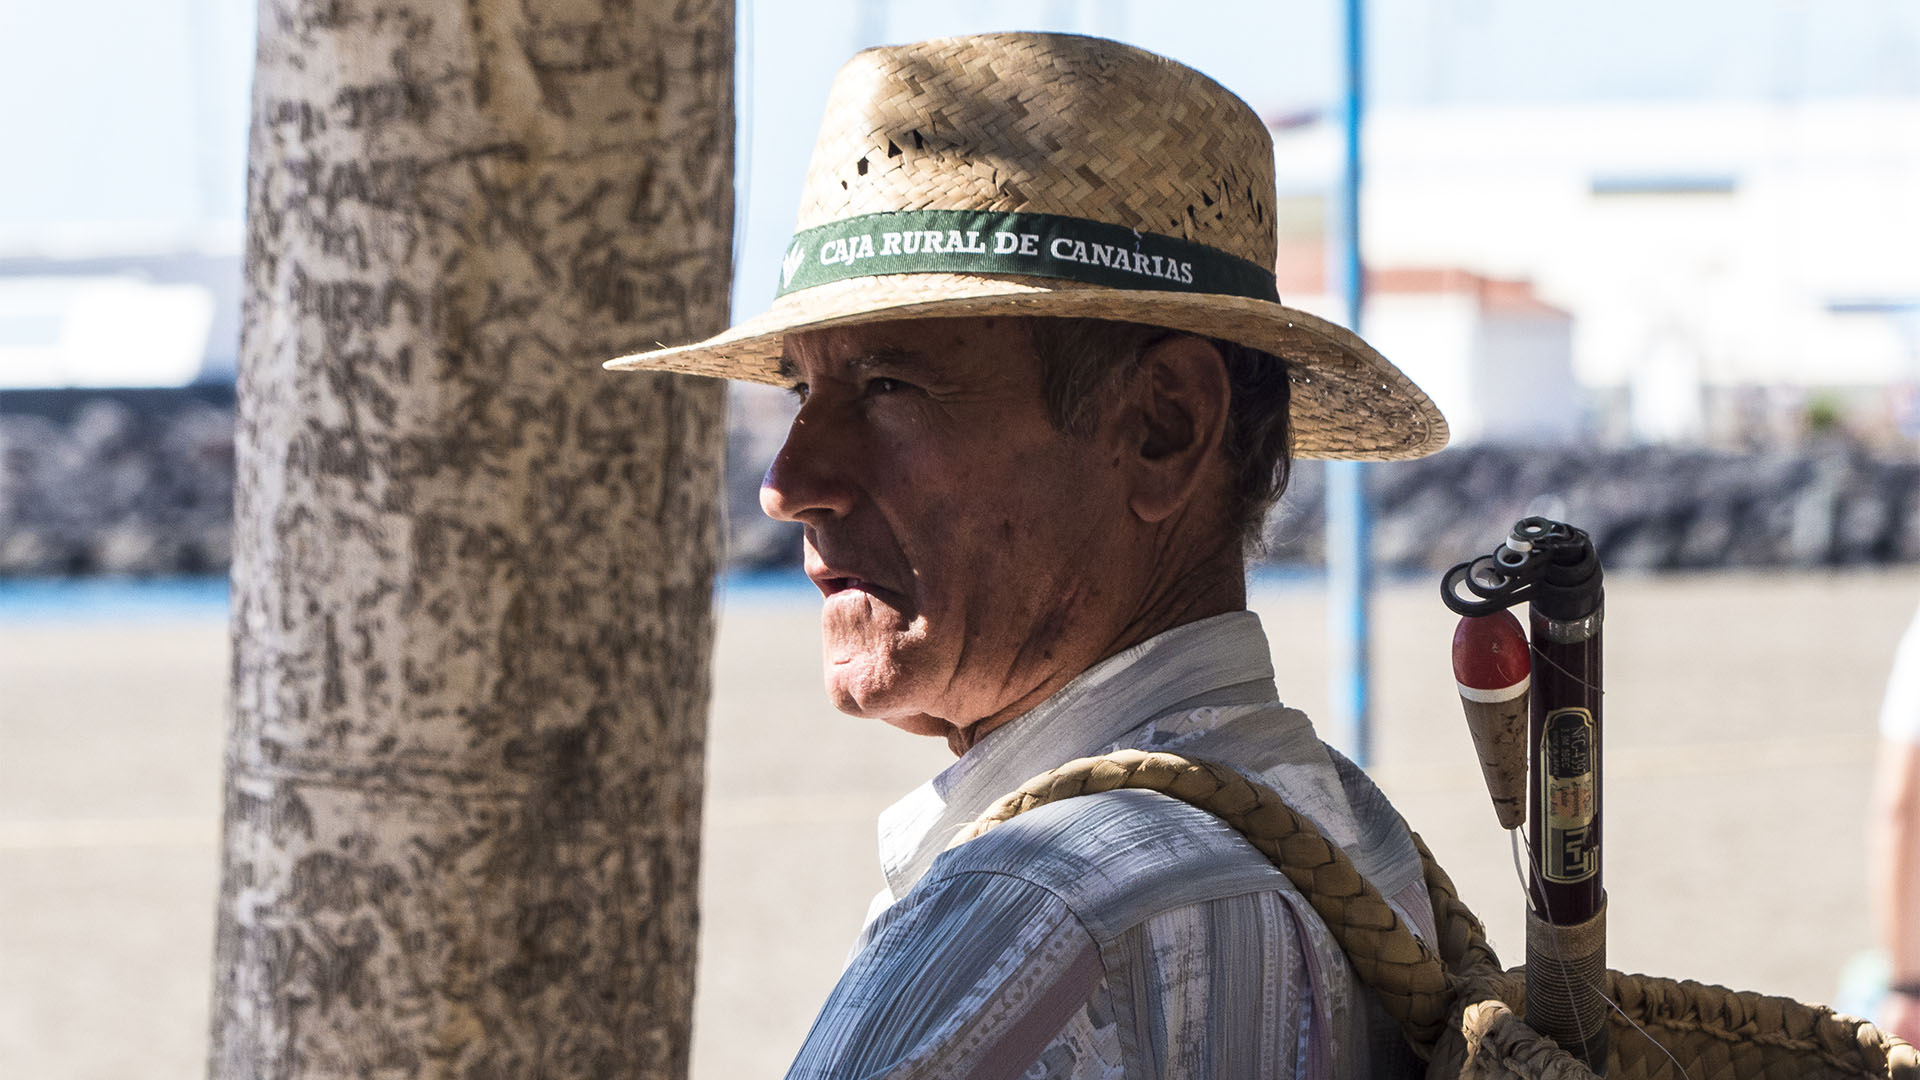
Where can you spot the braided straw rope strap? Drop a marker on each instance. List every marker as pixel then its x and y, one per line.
pixel 1457 1007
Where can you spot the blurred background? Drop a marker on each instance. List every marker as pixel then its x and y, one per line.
pixel 1656 262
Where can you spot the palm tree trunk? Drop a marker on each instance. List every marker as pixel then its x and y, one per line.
pixel 472 571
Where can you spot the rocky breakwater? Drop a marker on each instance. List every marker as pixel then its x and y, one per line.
pixel 134 483
pixel 141 483
pixel 1826 504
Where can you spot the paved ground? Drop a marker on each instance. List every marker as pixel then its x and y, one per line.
pixel 1740 715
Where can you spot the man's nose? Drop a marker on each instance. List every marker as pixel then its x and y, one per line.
pixel 809 477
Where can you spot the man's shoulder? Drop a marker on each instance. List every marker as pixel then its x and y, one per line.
pixel 1116 859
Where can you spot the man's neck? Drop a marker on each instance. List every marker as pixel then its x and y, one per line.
pixel 1207 588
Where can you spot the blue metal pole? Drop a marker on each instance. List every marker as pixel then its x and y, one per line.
pixel 1349 522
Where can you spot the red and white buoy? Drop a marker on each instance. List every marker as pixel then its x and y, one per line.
pixel 1492 670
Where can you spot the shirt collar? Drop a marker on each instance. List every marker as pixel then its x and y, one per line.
pixel 1215 661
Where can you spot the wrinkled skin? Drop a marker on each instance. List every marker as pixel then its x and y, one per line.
pixel 973 557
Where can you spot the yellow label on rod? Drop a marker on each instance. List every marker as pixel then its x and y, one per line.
pixel 1569 796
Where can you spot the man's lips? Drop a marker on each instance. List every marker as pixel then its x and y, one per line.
pixel 833 585
pixel 831 581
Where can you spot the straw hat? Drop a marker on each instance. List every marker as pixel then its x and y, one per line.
pixel 1051 174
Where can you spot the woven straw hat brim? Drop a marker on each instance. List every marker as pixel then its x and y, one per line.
pixel 1349 402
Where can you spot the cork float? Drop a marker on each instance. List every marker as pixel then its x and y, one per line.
pixel 1492 670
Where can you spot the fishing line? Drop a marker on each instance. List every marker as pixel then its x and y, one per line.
pixel 1537 655
pixel 1520 874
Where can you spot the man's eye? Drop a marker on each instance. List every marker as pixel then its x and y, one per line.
pixel 885 386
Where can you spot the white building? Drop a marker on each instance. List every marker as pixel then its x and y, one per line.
pixel 1707 252
pixel 1495 358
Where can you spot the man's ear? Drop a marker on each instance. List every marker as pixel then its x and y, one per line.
pixel 1179 400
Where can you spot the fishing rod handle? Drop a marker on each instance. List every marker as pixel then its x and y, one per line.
pixel 1566 974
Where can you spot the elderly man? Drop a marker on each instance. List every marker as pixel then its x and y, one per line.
pixel 1047 394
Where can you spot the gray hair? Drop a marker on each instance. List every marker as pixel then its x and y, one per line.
pixel 1085 362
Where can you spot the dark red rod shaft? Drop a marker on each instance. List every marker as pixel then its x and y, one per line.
pixel 1566 932
pixel 1564 797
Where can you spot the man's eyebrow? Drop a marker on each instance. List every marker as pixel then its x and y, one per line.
pixel 892 356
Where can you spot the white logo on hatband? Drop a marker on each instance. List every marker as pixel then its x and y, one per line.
pixel 997 251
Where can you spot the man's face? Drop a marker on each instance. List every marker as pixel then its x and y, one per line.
pixel 965 545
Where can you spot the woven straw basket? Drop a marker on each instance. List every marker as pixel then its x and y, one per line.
pixel 1459 1009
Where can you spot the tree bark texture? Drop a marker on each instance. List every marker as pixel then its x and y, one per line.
pixel 472 571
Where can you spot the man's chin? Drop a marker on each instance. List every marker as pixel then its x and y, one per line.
pixel 869 669
pixel 857 690
pixel 921 724
pixel 859 698
pixel 868 701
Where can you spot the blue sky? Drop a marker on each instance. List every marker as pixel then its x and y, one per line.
pixel 129 116
pixel 1283 56
pixel 128 112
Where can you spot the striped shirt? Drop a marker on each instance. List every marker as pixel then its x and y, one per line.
pixel 1122 935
